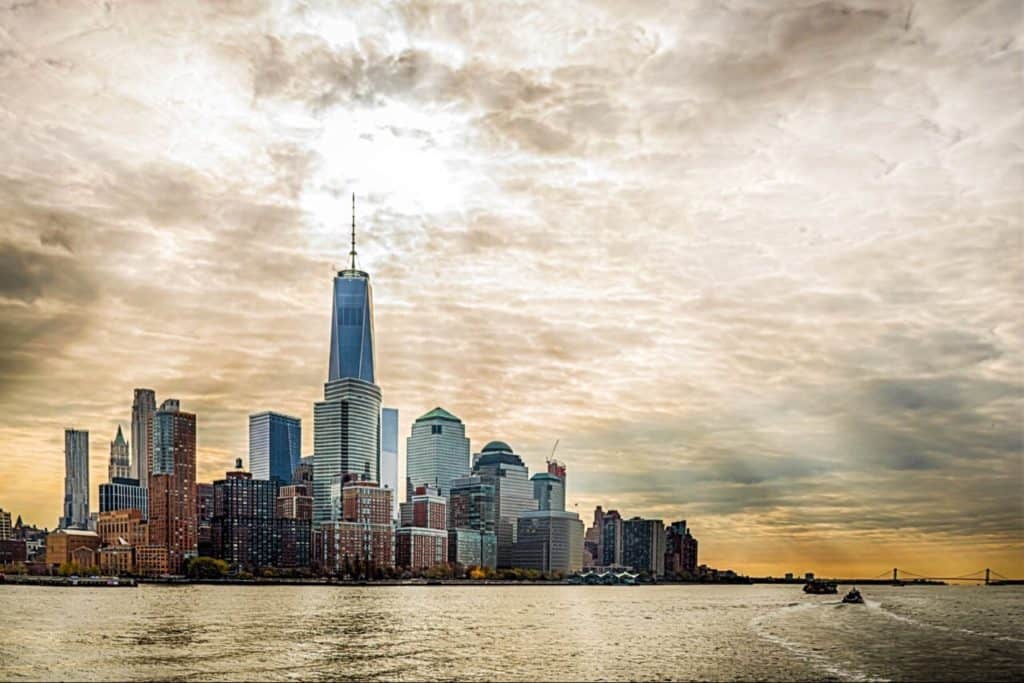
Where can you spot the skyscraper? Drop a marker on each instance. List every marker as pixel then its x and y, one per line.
pixel 643 545
pixel 120 464
pixel 549 539
pixel 549 491
pixel 76 480
pixel 611 539
pixel 124 493
pixel 389 454
pixel 275 446
pixel 500 467
pixel 143 409
pixel 346 424
pixel 436 452
pixel 244 531
pixel 172 485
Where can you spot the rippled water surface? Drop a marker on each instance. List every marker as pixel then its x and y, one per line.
pixel 516 632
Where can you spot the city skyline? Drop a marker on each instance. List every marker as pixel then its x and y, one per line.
pixel 794 337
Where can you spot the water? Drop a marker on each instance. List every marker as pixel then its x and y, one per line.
pixel 515 632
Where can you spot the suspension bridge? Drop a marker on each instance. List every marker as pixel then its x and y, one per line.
pixel 984 576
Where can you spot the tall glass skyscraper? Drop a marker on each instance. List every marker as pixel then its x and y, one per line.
pixel 389 455
pixel 143 409
pixel 275 446
pixel 346 424
pixel 436 453
pixel 500 467
pixel 76 479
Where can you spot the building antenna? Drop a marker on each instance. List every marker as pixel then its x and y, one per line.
pixel 353 252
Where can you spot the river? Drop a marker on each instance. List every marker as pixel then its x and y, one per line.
pixel 531 633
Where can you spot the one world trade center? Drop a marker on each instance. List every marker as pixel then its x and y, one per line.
pixel 346 424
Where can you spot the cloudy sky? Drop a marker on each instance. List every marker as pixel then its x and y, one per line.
pixel 756 265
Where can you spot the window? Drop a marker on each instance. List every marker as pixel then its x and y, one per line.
pixel 435 429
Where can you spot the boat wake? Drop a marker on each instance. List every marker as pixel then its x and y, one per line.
pixel 803 652
pixel 939 627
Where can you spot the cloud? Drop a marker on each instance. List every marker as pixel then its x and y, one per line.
pixel 754 265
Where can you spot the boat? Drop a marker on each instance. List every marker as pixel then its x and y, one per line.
pixel 853 597
pixel 818 587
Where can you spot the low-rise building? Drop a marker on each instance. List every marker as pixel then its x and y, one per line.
pixel 473 548
pixel 420 548
pixel 13 551
pixel 549 541
pixel 152 560
pixel 62 544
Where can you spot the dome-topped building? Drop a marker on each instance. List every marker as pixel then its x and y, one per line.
pixel 499 466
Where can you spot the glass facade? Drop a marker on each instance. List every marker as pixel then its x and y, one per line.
pixel 498 466
pixel 389 454
pixel 347 423
pixel 275 446
pixel 436 452
pixel 124 494
pixel 643 545
pixel 352 352
pixel 76 480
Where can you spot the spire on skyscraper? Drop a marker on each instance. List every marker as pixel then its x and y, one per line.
pixel 353 252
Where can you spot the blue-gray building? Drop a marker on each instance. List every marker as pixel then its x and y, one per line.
pixel 275 446
pixel 389 454
pixel 124 493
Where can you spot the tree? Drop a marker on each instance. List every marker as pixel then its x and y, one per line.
pixel 206 568
pixel 69 569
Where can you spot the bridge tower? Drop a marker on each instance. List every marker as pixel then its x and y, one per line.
pixel 895 575
pixel 987 570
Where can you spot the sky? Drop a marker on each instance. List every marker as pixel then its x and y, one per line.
pixel 754 265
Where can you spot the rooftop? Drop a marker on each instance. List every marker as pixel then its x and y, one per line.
pixel 438 413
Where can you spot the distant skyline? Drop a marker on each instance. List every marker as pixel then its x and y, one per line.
pixel 756 265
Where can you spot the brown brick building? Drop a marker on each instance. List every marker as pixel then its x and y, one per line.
pixel 62 544
pixel 173 506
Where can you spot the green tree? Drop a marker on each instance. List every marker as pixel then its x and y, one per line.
pixel 206 568
pixel 69 569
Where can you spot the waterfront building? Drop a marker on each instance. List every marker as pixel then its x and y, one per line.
pixel 152 560
pixel 549 541
pixel 124 527
pixel 6 530
pixel 294 521
pixel 643 545
pixel 473 548
pixel 499 466
pixel 65 545
pixel 122 493
pixel 422 540
pixel 172 485
pixel 419 548
pixel 275 446
pixel 611 539
pixel 143 410
pixel 13 551
pixel 680 549
pixel 360 529
pixel 471 509
pixel 120 463
pixel 244 510
pixel 436 452
pixel 204 519
pixel 389 454
pixel 76 480
pixel 116 559
pixel 346 424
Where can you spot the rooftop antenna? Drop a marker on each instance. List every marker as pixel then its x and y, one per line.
pixel 353 252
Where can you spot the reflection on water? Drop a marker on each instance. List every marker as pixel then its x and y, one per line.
pixel 519 632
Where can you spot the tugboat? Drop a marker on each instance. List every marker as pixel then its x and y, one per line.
pixel 853 597
pixel 818 587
